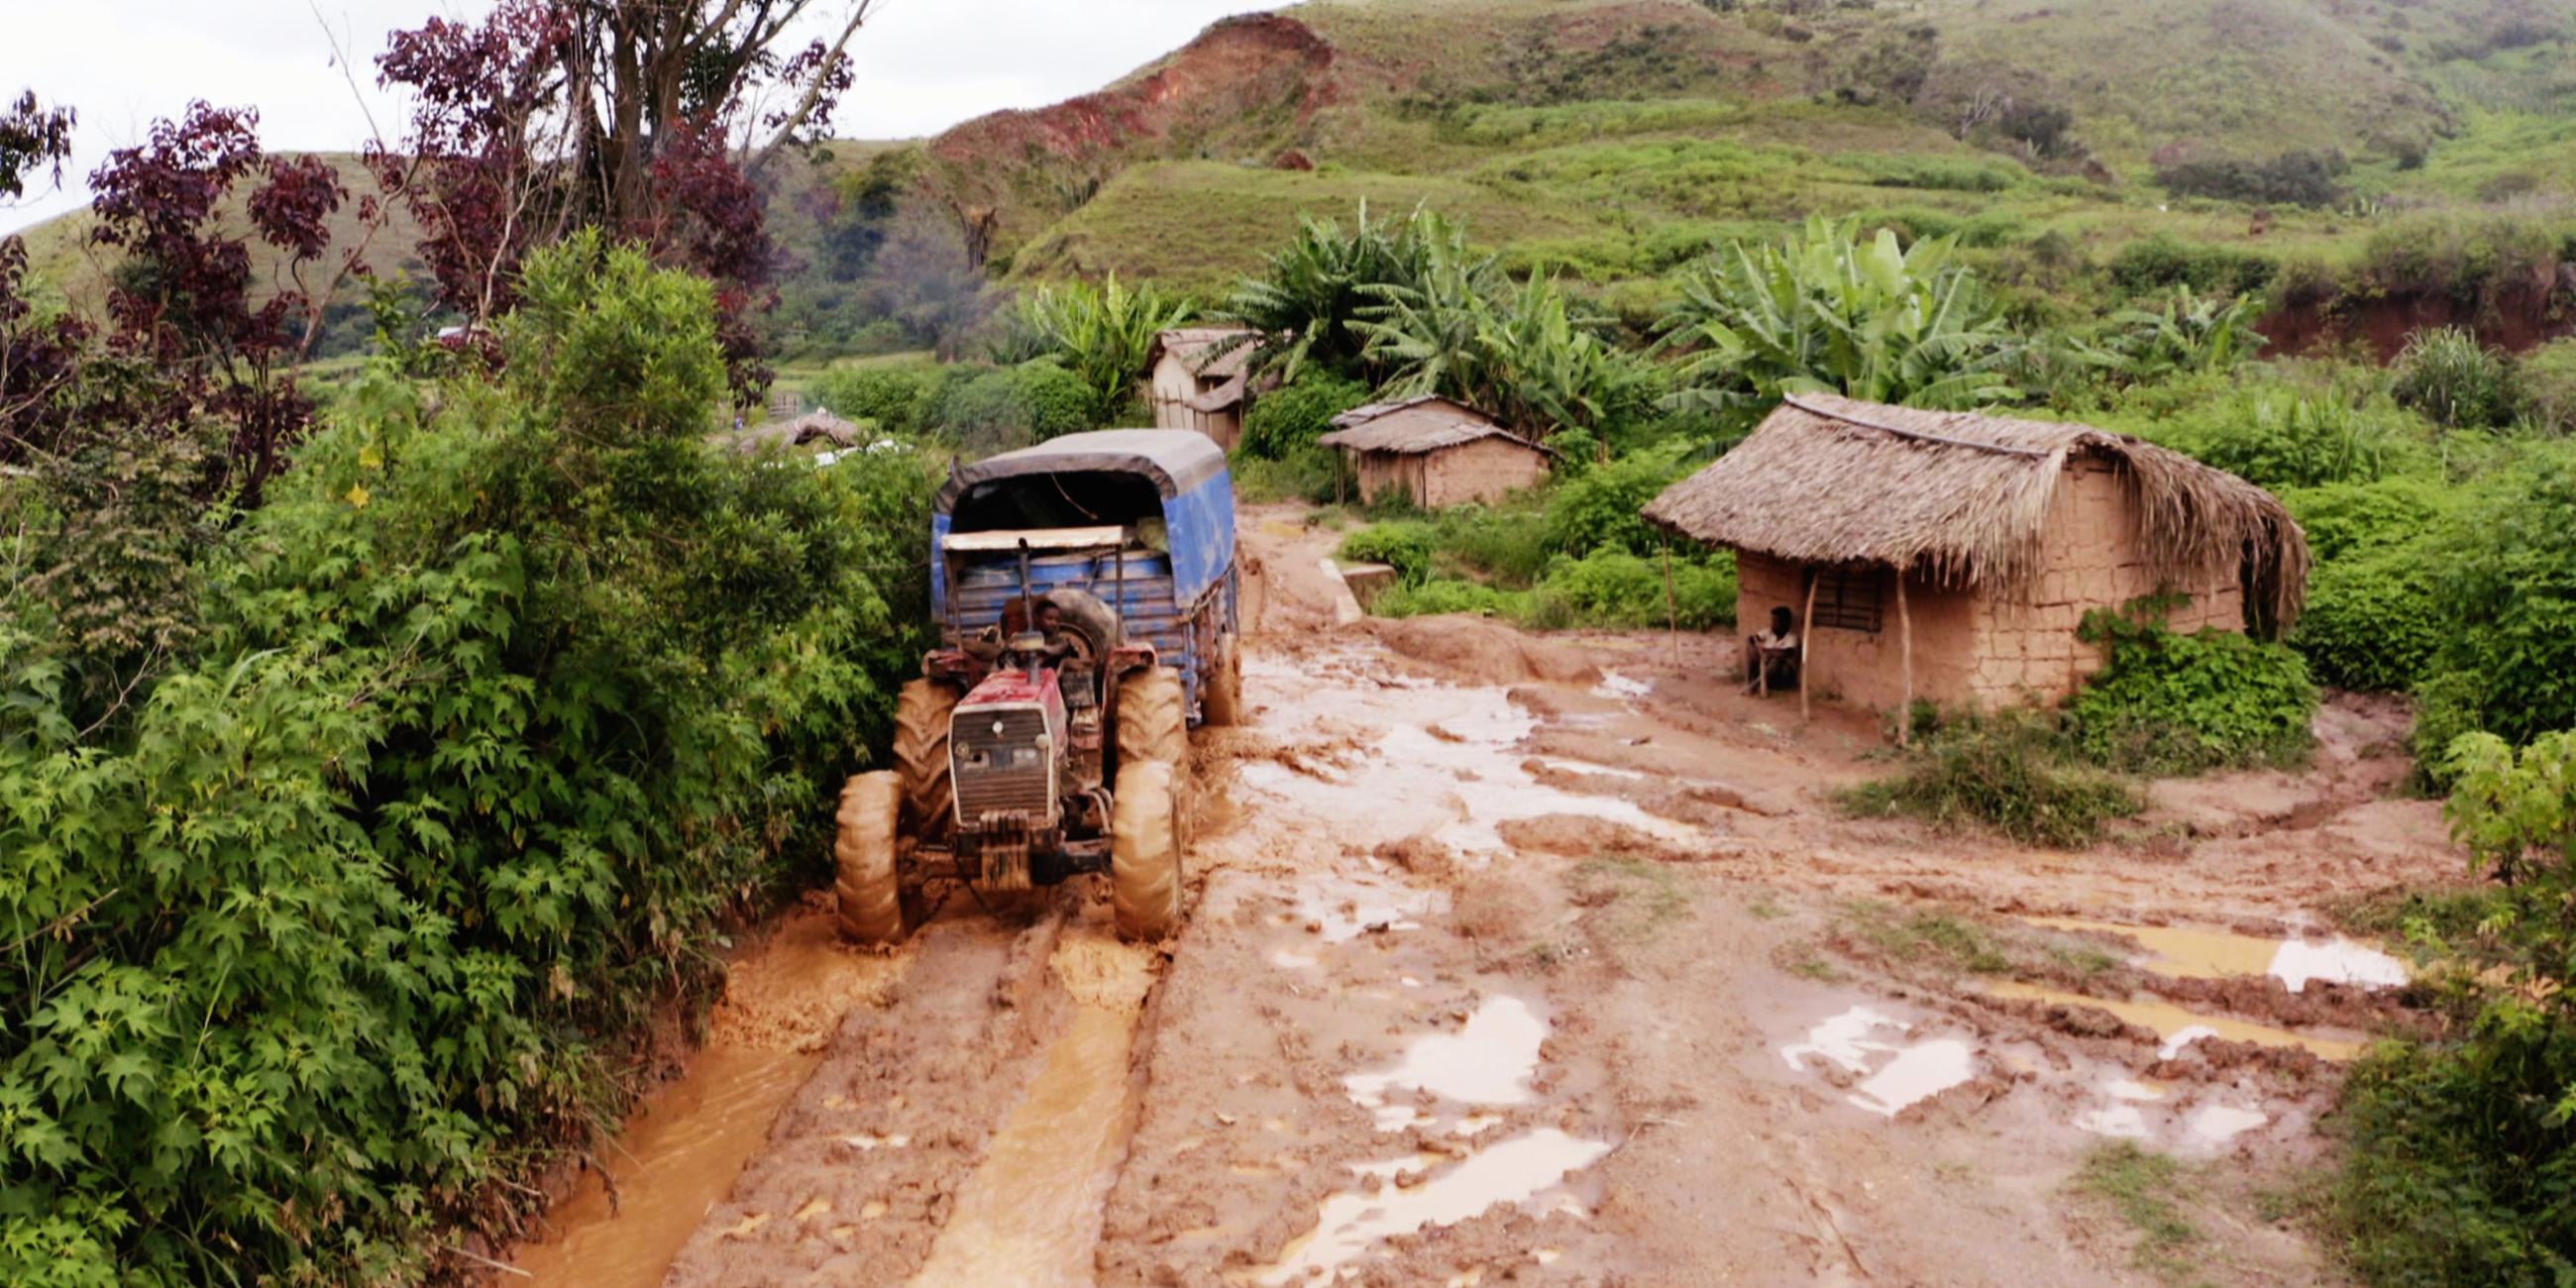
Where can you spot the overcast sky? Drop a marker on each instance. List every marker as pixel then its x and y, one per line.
pixel 923 65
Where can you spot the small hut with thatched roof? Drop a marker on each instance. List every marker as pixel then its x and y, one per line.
pixel 1436 451
pixel 1198 377
pixel 1951 556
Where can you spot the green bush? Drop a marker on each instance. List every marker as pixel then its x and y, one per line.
pixel 2508 600
pixel 2373 620
pixel 1293 416
pixel 897 397
pixel 510 699
pixel 1450 595
pixel 2445 373
pixel 1006 407
pixel 2169 703
pixel 2343 519
pixel 1604 506
pixel 2007 772
pixel 2549 386
pixel 1621 591
pixel 1404 545
pixel 2163 262
pixel 2459 1164
pixel 1306 474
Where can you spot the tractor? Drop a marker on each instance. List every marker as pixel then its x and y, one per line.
pixel 1087 599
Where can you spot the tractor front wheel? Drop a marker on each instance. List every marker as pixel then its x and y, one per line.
pixel 1145 851
pixel 922 716
pixel 1153 723
pixel 876 908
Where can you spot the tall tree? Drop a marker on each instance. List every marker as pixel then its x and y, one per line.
pixel 648 118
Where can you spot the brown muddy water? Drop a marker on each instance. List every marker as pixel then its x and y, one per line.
pixel 1031 1214
pixel 2178 1026
pixel 680 1152
pixel 677 1158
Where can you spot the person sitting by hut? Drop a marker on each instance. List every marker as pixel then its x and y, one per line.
pixel 1771 657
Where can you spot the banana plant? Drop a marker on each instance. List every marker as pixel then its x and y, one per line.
pixel 2184 333
pixel 1104 334
pixel 1823 311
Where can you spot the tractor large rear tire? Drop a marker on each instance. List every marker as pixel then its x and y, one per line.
pixel 1222 705
pixel 867 856
pixel 1145 851
pixel 922 717
pixel 1153 720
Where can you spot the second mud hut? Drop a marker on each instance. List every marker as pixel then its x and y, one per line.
pixel 1198 379
pixel 1435 452
pixel 1951 556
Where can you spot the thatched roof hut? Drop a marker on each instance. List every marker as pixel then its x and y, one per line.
pixel 1197 378
pixel 1436 451
pixel 2026 524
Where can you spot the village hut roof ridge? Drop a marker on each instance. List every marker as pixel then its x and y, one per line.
pixel 1436 422
pixel 1963 497
pixel 1194 346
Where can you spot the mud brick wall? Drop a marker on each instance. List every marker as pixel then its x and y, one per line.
pixel 1485 470
pixel 1977 649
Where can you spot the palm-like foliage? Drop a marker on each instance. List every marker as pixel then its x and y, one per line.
pixel 1104 334
pixel 2184 334
pixel 1525 355
pixel 1823 311
pixel 1311 294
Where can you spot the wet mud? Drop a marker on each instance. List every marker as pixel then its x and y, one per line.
pixel 1528 959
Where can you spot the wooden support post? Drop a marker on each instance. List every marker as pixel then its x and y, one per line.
pixel 1905 637
pixel 1672 605
pixel 1807 631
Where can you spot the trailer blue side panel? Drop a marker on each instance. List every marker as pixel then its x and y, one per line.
pixel 1201 526
pixel 1143 600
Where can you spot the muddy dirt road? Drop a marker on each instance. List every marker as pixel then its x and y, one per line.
pixel 1542 961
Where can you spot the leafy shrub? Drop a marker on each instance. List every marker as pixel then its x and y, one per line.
pixel 2508 600
pixel 1103 334
pixel 1295 415
pixel 1449 595
pixel 2460 1158
pixel 1306 474
pixel 898 398
pixel 2548 380
pixel 2184 333
pixel 2343 519
pixel 2300 440
pixel 1823 311
pixel 2171 703
pixel 2007 772
pixel 2298 178
pixel 1404 545
pixel 2163 262
pixel 1604 507
pixel 2446 374
pixel 1006 407
pixel 507 702
pixel 2373 620
pixel 1622 591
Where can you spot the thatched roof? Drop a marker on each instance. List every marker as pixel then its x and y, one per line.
pixel 1195 346
pixel 1415 426
pixel 1963 498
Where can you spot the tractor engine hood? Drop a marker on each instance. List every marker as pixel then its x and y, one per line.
pixel 1006 751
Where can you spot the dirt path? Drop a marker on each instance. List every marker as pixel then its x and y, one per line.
pixel 1548 960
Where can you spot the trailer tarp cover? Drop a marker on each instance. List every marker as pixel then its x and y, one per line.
pixel 1178 460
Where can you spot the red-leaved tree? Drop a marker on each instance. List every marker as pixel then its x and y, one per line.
pixel 648 118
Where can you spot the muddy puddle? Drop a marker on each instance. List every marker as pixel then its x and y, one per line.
pixel 680 1152
pixel 1400 1196
pixel 1445 764
pixel 1031 1213
pixel 1488 1061
pixel 2178 1027
pixel 2194 953
pixel 1892 1074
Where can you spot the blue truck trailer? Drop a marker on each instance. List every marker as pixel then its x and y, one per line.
pixel 1088 599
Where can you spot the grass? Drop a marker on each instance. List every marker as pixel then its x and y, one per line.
pixel 2008 774
pixel 1635 899
pixel 1949 943
pixel 2150 1192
